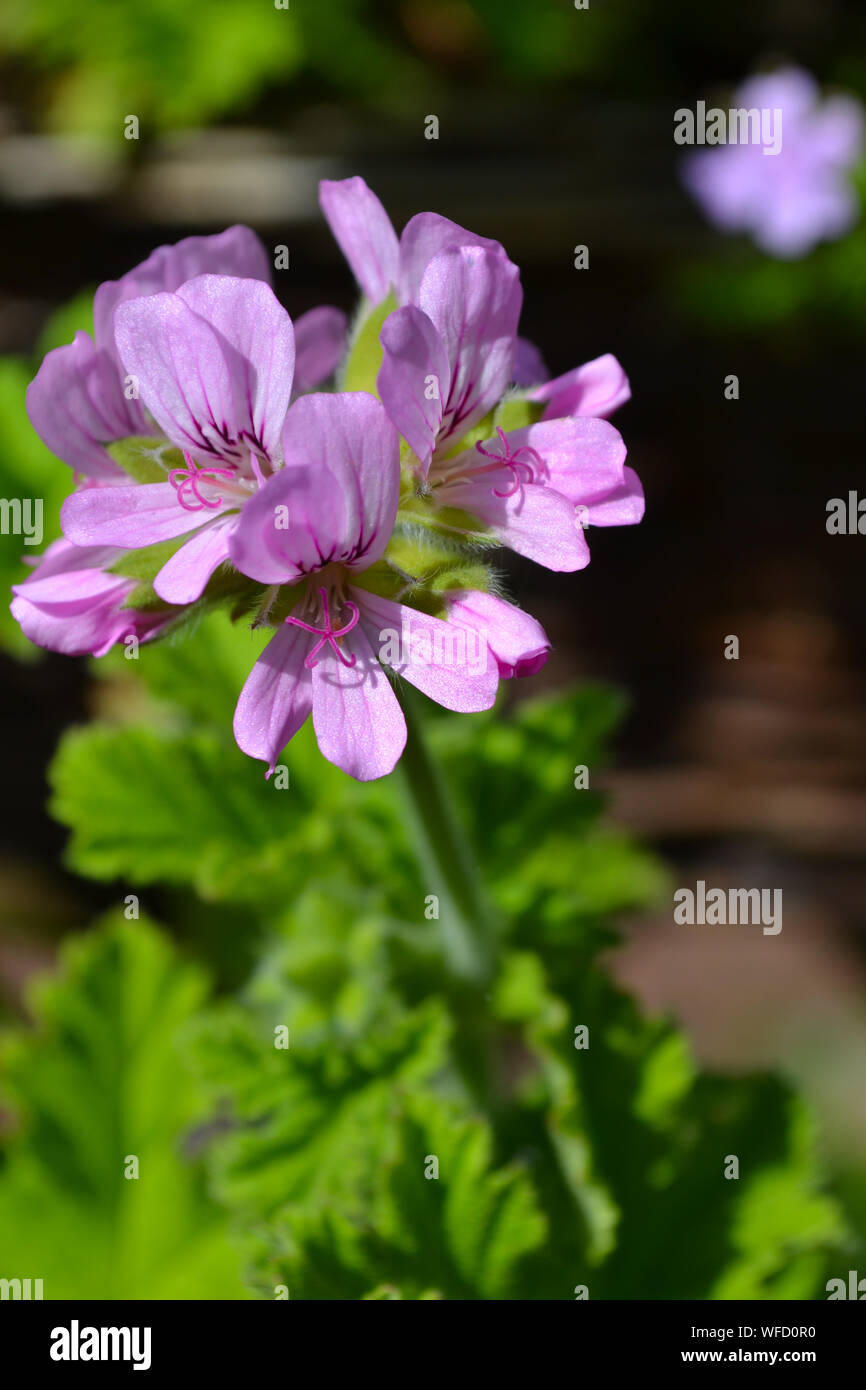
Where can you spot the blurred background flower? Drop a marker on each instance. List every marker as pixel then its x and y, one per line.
pixel 794 194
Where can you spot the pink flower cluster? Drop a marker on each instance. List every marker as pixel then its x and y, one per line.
pixel 308 500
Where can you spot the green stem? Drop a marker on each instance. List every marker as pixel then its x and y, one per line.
pixel 467 919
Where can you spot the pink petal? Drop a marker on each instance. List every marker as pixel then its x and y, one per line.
pixel 340 507
pixel 622 507
pixel 276 698
pixel 132 517
pixel 363 231
pixel 62 560
pixel 424 236
pixel 473 296
pixel 529 365
pixel 357 717
pixel 517 640
pixel 183 578
pixel 582 457
pixel 321 337
pixel 76 405
pixel 438 657
pixel 414 365
pixel 208 384
pixel 236 251
pixel 535 521
pixel 248 316
pixel 597 388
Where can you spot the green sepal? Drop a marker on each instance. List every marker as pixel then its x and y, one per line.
pixel 365 354
pixel 516 412
pixel 145 460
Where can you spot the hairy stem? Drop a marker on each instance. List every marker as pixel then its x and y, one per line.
pixel 466 917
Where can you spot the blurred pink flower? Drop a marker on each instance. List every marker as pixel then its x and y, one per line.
pixel 791 200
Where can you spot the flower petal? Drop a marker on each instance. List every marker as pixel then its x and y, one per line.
pixel 236 251
pixel 321 336
pixel 597 388
pixel 363 231
pixel 473 296
pixel 535 520
pixel 76 405
pixel 131 517
pixel 516 639
pixel 414 378
pixel 529 365
pixel 183 578
pixel 424 236
pixel 276 698
pixel 248 316
pixel 338 509
pixel 622 507
pixel 583 457
pixel 214 362
pixel 357 717
pixel 440 658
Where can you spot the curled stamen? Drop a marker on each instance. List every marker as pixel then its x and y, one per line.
pixel 328 633
pixel 187 479
pixel 511 460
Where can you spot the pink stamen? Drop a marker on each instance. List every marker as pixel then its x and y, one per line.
pixel 512 461
pixel 188 479
pixel 328 633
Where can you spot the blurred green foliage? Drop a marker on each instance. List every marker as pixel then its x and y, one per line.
pixel 176 63
pixel 94 1083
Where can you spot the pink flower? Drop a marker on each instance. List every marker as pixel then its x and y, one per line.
pixel 79 400
pixel 318 524
pixel 791 200
pixel 72 604
pixel 215 362
pixel 450 354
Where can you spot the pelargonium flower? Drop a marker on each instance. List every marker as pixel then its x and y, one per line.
pixel 79 402
pixel 215 362
pixel 791 200
pixel 72 603
pixel 318 525
pixel 450 354
pixel 357 546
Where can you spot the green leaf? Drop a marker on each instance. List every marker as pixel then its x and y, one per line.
pixel 96 1083
pixel 318 1118
pixel 156 806
pixel 658 1135
pixel 460 1230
